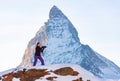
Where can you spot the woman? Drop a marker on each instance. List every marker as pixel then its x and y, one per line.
pixel 38 51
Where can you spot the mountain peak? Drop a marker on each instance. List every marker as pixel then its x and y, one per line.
pixel 54 7
pixel 55 12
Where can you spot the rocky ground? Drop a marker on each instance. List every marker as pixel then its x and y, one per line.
pixel 35 74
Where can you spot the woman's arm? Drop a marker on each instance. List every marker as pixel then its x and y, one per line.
pixel 42 48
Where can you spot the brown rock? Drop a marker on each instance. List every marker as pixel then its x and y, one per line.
pixel 51 78
pixel 64 71
pixel 26 75
pixel 33 74
pixel 80 79
pixel 75 73
pixel 0 78
pixel 7 77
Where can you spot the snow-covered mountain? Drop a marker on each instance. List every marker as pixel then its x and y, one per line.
pixel 64 47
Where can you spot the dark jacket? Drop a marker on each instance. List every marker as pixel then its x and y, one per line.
pixel 38 51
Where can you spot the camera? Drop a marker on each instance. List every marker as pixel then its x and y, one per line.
pixel 43 47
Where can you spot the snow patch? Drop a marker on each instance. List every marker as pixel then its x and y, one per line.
pixel 16 79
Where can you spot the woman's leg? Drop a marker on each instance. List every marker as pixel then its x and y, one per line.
pixel 42 61
pixel 35 60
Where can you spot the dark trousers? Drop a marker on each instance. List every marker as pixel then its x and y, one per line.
pixel 40 58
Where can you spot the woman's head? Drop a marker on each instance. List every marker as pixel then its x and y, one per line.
pixel 38 44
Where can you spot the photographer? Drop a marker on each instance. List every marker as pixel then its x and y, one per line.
pixel 38 51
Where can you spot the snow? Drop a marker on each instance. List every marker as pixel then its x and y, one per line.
pixel 112 80
pixel 16 79
pixel 7 71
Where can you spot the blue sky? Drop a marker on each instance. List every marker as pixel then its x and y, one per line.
pixel 97 22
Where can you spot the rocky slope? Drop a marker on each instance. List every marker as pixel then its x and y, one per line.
pixel 65 72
